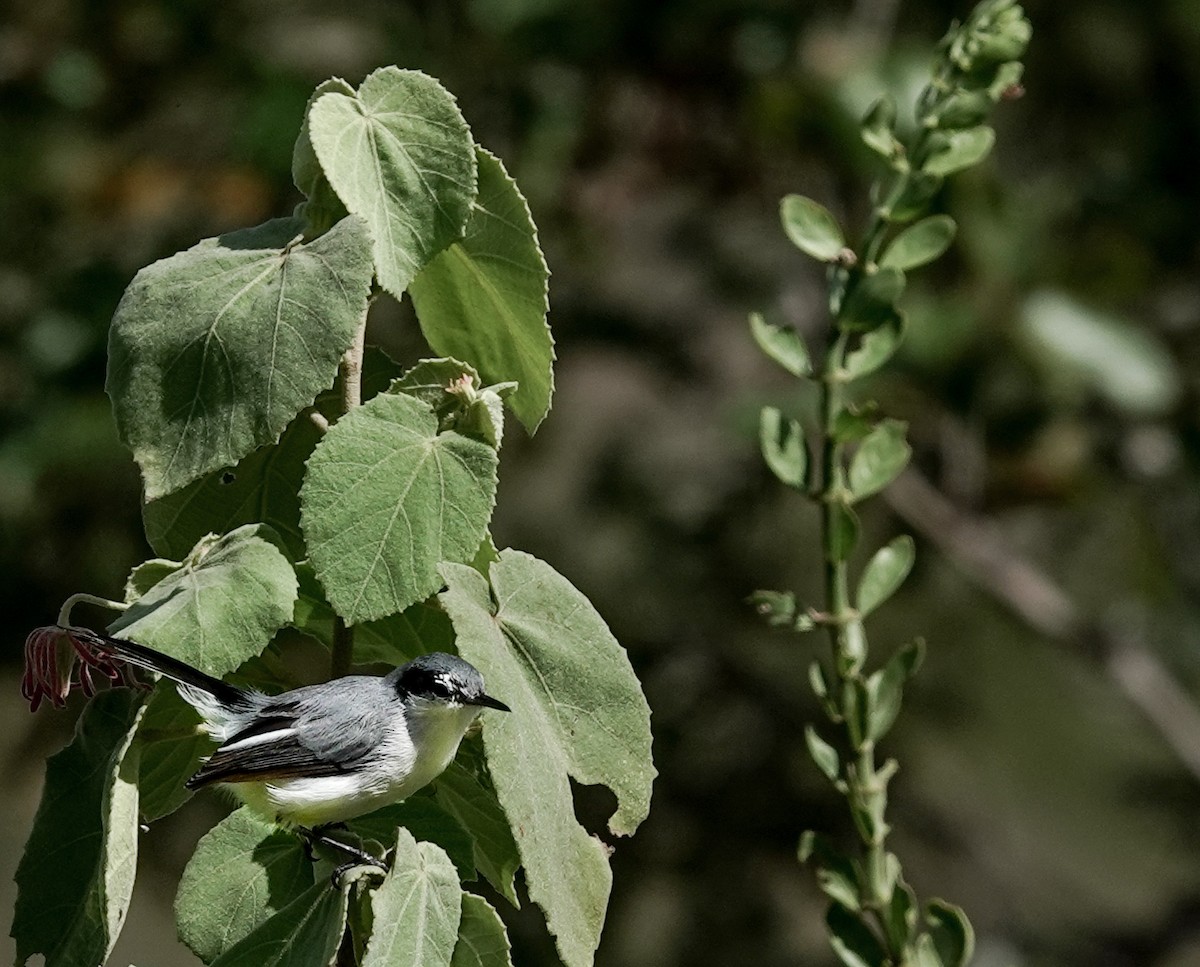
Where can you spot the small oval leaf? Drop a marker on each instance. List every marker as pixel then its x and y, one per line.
pixel 872 301
pixel 951 931
pixel 782 343
pixel 852 940
pixel 880 458
pixel 823 754
pixel 782 442
pixel 884 573
pixel 957 150
pixel 876 347
pixel 811 228
pixel 920 244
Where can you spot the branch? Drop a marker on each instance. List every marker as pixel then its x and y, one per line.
pixel 981 551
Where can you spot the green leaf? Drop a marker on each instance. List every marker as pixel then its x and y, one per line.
pixel 782 444
pixel 879 129
pixel 213 351
pixel 778 608
pixel 823 754
pixel 322 207
pixel 418 629
pixel 386 499
pixel 926 953
pixel 221 607
pixel 171 747
pixel 843 534
pixel 956 150
pixel 482 939
pixel 428 822
pixel 885 691
pixel 430 381
pixel 951 932
pixel 919 244
pixel 872 301
pixel 1077 346
pixel 484 299
pixel 305 933
pixel 901 915
pixel 399 154
pixel 147 574
pixel 962 109
pixel 875 348
pixel 244 871
pixel 916 192
pixel 466 791
pixel 852 940
pixel 75 878
pixel 416 909
pixel 261 488
pixel 879 459
pixel 884 573
pixel 579 712
pixel 811 228
pixel 782 343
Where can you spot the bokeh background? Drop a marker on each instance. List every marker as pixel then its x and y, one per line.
pixel 1051 376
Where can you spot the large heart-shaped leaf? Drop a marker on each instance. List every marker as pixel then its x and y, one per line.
pixel 386 499
pixel 214 350
pixel 578 711
pixel 399 154
pixel 305 933
pixel 482 939
pixel 244 871
pixel 171 746
pixel 484 299
pixel 220 607
pixel 416 909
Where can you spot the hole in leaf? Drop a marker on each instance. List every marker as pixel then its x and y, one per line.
pixel 594 806
pixel 228 477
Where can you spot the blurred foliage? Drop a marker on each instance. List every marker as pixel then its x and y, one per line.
pixel 653 142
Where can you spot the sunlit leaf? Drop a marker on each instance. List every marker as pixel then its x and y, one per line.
pixel 482 939
pixel 484 299
pixel 220 607
pixel 386 499
pixel 823 754
pixel 416 909
pixel 399 154
pixel 321 208
pixel 578 711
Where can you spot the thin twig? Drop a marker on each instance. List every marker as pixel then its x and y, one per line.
pixel 983 554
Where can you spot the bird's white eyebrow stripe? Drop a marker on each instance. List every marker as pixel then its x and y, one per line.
pixel 262 739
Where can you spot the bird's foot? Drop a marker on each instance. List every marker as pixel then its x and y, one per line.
pixel 346 875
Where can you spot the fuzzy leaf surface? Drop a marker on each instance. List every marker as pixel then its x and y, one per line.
pixel 220 607
pixel 482 939
pixel 213 351
pixel 579 711
pixel 484 299
pixel 399 154
pixel 386 499
pixel 466 791
pixel 75 879
pixel 305 933
pixel 416 909
pixel 244 871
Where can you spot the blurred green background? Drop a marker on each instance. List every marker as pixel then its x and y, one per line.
pixel 1051 377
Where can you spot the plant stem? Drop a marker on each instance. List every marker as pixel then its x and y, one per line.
pixel 350 375
pixel 64 613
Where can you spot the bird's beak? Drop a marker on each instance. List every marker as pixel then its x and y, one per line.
pixel 489 702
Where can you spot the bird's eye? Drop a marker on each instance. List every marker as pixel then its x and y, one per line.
pixel 440 688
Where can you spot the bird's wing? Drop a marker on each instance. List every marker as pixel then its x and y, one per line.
pixel 298 734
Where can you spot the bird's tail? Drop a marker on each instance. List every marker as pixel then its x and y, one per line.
pixel 220 704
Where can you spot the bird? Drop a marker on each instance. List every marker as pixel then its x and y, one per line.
pixel 313 757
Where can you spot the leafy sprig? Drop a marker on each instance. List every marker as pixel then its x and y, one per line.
pixel 875 918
